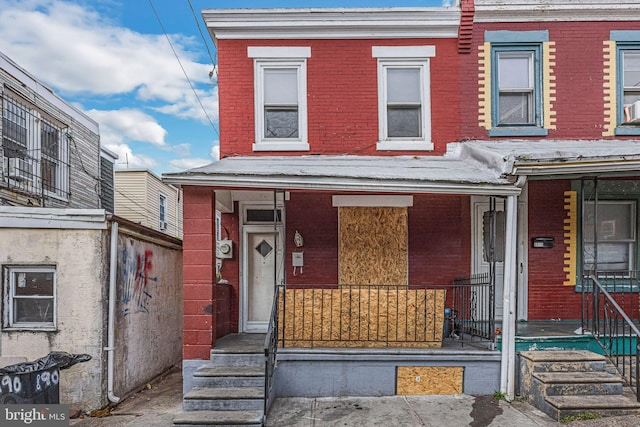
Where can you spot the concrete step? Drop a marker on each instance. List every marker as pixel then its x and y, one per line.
pixel 564 361
pixel 563 406
pixel 233 376
pixel 236 359
pixel 224 398
pixel 218 418
pixel 578 383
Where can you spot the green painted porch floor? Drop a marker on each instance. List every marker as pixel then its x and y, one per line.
pixel 551 335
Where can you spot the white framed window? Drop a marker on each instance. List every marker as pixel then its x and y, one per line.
pixel 162 211
pixel 34 150
pixel 31 297
pixel 616 235
pixel 404 100
pixel 280 97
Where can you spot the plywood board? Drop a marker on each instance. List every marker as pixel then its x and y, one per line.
pixel 429 379
pixel 373 245
pixel 362 316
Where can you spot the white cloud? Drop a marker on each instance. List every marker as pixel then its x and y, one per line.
pixel 184 164
pixel 79 51
pixel 126 158
pixel 215 151
pixel 130 124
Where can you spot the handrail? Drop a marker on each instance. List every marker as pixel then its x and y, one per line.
pixel 615 332
pixel 271 352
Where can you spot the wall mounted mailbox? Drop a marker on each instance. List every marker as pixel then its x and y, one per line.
pixel 542 242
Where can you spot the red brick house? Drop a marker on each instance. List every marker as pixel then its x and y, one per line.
pixel 461 157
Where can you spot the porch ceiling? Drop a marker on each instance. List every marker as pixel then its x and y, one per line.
pixel 548 158
pixel 394 174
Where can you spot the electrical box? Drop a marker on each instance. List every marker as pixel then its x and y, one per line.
pixel 298 259
pixel 224 249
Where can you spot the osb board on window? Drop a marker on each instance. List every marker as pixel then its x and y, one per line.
pixel 367 316
pixel 373 245
pixel 429 380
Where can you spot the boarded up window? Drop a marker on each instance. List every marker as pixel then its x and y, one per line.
pixel 373 245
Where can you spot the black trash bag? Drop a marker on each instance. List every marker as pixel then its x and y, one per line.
pixel 55 359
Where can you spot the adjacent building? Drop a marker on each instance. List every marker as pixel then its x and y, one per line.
pixel 76 278
pixel 142 197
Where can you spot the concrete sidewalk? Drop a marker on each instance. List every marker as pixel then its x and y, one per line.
pixel 404 411
pixel 158 404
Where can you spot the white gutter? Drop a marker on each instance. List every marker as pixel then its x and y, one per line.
pixel 113 269
pixel 616 165
pixel 337 184
pixel 508 356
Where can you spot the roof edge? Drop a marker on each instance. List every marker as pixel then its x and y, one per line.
pixel 332 23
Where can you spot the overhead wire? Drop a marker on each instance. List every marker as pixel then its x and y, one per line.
pixel 155 12
pixel 204 40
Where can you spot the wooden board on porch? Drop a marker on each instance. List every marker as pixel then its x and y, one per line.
pixel 362 316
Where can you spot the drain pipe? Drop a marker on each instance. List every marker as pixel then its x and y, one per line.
pixel 507 367
pixel 113 267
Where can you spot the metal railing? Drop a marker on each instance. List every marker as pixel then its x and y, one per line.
pixel 473 311
pixel 271 351
pixel 610 313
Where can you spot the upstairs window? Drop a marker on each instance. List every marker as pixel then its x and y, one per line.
pixel 34 151
pixel 631 75
pixel 513 97
pixel 404 104
pixel 280 96
pixel 31 298
pixel 516 104
pixel 163 212
pixel 622 82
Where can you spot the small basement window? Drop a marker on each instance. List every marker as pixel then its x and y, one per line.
pixel 31 302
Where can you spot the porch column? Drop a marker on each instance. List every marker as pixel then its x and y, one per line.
pixel 507 369
pixel 198 259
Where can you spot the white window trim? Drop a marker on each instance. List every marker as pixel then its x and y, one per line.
pixel 410 57
pixel 280 56
pixel 9 323
pixel 162 211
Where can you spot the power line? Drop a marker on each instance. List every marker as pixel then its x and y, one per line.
pixel 183 70
pixel 204 40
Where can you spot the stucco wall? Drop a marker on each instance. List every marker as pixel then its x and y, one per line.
pixel 81 276
pixel 148 313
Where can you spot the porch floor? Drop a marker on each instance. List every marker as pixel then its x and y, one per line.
pixel 547 328
pixel 525 330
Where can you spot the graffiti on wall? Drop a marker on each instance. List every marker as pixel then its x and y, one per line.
pixel 138 278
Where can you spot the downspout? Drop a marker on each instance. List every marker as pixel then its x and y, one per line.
pixel 508 359
pixel 113 267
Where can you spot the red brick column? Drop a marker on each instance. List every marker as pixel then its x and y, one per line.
pixel 198 258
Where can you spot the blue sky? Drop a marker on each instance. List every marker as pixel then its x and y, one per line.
pixel 112 59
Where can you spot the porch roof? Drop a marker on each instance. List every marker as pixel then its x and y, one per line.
pixel 550 158
pixel 395 174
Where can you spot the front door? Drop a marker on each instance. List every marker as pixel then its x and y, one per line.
pixel 481 264
pixel 261 257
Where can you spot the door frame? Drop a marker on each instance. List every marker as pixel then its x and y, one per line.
pixel 522 248
pixel 245 231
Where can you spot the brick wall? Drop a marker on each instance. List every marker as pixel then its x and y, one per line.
pixel 548 297
pixel 578 71
pixel 342 95
pixel 198 272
